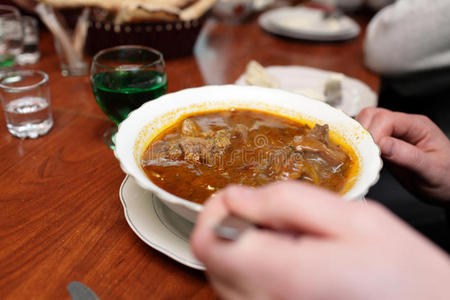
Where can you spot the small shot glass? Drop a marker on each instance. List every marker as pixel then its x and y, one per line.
pixel 25 98
pixel 30 53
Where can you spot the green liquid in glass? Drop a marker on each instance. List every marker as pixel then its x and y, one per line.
pixel 6 60
pixel 120 92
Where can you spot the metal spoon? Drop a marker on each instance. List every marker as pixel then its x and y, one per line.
pixel 80 291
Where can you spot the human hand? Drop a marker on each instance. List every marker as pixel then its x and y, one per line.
pixel 417 151
pixel 344 250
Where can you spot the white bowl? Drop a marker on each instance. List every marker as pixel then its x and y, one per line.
pixel 144 124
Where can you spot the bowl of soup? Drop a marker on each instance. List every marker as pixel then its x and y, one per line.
pixel 186 146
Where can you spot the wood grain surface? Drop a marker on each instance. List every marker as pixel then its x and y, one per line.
pixel 61 219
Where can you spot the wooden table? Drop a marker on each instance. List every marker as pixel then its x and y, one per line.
pixel 61 219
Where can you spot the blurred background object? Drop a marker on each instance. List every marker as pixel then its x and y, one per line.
pixel 233 11
pixel 171 26
pixel 71 44
pixel 11 35
pixel 30 53
pixel 262 4
pixel 355 4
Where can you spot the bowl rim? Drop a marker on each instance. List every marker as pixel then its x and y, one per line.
pixel 173 199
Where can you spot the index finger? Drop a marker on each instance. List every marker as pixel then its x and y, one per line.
pixel 293 206
pixel 203 237
pixel 408 127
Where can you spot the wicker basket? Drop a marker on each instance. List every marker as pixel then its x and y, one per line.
pixel 173 39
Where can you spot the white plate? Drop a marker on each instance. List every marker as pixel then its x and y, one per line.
pixel 156 224
pixel 307 23
pixel 309 81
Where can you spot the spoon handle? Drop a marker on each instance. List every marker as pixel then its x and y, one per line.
pixel 231 227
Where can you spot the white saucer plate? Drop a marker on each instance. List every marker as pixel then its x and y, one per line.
pixel 157 225
pixel 356 95
pixel 308 24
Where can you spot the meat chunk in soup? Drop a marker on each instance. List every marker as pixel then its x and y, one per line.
pixel 162 150
pixel 222 138
pixel 317 141
pixel 240 132
pixel 195 149
pixel 190 128
pixel 320 133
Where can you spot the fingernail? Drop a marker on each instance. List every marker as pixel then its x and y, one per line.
pixel 387 146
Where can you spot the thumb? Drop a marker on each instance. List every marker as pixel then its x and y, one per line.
pixel 403 154
pixel 292 206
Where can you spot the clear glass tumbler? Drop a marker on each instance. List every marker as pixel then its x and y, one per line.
pixel 25 97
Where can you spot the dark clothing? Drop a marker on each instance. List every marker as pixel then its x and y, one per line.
pixel 426 93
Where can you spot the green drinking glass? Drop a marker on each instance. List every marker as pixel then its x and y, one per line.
pixel 123 78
